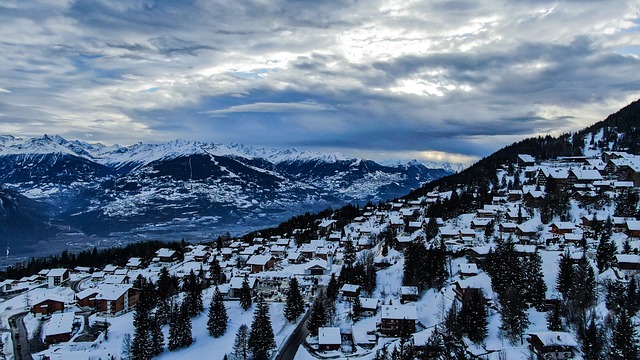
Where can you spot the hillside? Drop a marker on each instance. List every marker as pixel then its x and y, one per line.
pixel 619 132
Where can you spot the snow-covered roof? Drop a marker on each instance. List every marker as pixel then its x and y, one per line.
pixel 236 282
pixel 633 225
pixel 369 303
pixel 86 293
pixel 526 158
pixel 61 323
pixel 57 272
pixel 259 260
pixel 111 292
pixel 628 258
pixel 349 288
pixel 469 268
pixel 409 290
pixel 316 262
pixel 480 281
pixel 134 261
pixel 397 312
pixel 587 175
pixel 326 223
pixel 555 338
pixel 164 252
pixel 329 336
pixel 564 225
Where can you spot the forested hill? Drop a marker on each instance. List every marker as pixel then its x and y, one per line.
pixel 620 132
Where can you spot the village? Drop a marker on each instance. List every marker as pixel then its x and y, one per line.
pixel 69 312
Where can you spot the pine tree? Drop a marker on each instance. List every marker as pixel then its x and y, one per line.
pixel 554 318
pixel 241 344
pixel 261 337
pixel 186 327
pixel 537 289
pixel 583 291
pixel 294 306
pixel 180 327
pixel 157 337
pixel 333 288
pixel 141 345
pixel 175 340
pixel 624 341
pixel 592 341
pixel 349 257
pixel 633 304
pixel 193 296
pixel 452 324
pixel 564 281
pixel 215 271
pixel 514 316
pixel 473 316
pixel 605 253
pixel 356 309
pixel 316 317
pixel 245 295
pixel 217 322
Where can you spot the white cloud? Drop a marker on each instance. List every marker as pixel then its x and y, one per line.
pixel 434 76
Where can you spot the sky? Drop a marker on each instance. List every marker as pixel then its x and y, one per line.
pixel 382 79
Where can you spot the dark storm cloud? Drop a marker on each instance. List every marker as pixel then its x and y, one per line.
pixel 399 78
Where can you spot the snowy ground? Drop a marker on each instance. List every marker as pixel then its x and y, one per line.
pixel 204 346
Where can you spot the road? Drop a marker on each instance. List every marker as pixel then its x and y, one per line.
pixel 20 337
pixel 75 285
pixel 290 348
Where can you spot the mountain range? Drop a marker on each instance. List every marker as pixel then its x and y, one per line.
pixel 83 191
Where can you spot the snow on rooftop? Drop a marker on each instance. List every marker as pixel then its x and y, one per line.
pixel 329 336
pixel 112 291
pixel 349 288
pixel 60 323
pixel 397 312
pixel 555 338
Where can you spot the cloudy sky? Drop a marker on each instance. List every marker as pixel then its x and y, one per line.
pixel 432 79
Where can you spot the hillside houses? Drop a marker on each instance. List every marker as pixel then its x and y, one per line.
pixel 381 235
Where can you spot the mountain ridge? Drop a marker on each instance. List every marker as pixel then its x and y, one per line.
pixel 190 188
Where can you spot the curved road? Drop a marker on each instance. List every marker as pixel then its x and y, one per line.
pixel 290 348
pixel 20 337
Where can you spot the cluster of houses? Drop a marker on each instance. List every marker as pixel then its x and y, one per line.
pixel 267 264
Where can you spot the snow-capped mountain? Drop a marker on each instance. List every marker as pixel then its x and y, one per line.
pixel 190 187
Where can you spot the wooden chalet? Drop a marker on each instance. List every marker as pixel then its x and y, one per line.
pixel 134 263
pixel 396 319
pixel 114 300
pixel 316 267
pixel 408 294
pixel 48 306
pixel 329 338
pixel 59 328
pixel 525 160
pixel 561 227
pixel 553 345
pixel 632 229
pixel 350 291
pixel 165 255
pixel 326 227
pixel 480 282
pixel 86 298
pixel 369 306
pixel 628 264
pixel 261 263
